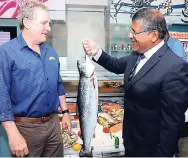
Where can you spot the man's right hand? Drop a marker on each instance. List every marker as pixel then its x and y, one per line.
pixel 18 145
pixel 90 47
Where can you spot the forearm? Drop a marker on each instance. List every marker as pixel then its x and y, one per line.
pixel 10 128
pixel 112 64
pixel 63 104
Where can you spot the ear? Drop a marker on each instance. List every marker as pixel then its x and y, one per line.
pixel 155 36
pixel 26 23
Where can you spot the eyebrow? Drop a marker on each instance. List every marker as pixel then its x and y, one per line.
pixel 45 21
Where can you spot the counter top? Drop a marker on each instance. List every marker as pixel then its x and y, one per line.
pixel 102 142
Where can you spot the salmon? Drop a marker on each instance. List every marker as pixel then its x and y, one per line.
pixel 87 103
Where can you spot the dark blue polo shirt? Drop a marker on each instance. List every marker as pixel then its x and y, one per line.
pixel 30 84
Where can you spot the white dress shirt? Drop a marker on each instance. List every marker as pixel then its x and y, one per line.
pixel 148 55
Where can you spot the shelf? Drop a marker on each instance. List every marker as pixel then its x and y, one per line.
pixel 184 40
pixel 126 51
pixel 120 38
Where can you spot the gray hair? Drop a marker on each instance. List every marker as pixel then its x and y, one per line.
pixel 27 10
pixel 151 19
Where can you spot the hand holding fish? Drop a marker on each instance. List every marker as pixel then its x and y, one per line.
pixel 90 47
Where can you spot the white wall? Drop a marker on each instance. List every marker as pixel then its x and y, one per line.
pixel 83 19
pixel 88 2
pixel 57 9
pixel 82 25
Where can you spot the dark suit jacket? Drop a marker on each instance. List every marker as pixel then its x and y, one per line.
pixel 155 101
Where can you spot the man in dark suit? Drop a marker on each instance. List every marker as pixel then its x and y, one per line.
pixel 156 87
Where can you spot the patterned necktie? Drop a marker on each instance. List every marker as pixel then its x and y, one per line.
pixel 140 57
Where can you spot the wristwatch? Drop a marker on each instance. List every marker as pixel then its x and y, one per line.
pixel 65 111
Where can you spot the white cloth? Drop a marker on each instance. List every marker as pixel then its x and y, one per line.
pixel 98 54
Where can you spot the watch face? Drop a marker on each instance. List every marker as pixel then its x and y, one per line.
pixel 65 111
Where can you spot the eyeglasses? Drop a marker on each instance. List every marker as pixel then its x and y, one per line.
pixel 136 33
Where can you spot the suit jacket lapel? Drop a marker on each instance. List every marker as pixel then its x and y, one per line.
pixel 155 58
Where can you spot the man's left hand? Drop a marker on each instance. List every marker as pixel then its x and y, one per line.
pixel 66 122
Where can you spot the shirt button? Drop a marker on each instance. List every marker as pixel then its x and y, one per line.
pixel 48 91
pixel 47 79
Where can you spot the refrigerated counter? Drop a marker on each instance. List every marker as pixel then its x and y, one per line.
pixel 111 93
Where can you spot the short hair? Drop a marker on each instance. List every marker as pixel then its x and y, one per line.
pixel 27 10
pixel 152 19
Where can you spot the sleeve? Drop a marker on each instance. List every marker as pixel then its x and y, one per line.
pixel 6 113
pixel 97 55
pixel 174 97
pixel 112 64
pixel 182 51
pixel 179 50
pixel 60 87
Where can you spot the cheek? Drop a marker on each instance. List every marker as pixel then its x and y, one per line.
pixel 136 45
pixel 36 29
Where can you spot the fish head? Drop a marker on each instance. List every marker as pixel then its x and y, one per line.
pixel 85 67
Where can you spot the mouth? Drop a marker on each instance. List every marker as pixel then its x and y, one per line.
pixel 133 44
pixel 45 34
pixel 133 41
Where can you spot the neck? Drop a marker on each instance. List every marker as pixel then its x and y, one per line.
pixel 32 44
pixel 152 45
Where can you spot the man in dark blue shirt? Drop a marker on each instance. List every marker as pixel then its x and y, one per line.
pixel 31 88
pixel 177 47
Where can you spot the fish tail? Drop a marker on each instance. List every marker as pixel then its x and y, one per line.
pixel 85 153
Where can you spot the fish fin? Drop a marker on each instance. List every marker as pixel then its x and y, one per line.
pixel 85 153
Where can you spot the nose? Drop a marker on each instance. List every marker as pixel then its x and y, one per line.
pixel 130 35
pixel 48 28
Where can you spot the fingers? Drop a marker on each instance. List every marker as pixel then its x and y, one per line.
pixel 63 125
pixel 21 153
pixel 85 41
pixel 87 45
pixel 26 151
pixel 66 126
pixel 13 152
pixel 69 127
pixel 18 146
pixel 90 47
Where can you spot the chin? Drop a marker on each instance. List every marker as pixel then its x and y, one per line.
pixel 134 49
pixel 43 40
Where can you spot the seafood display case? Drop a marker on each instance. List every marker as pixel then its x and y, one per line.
pixel 107 139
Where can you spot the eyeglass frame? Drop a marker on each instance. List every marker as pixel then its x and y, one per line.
pixel 136 33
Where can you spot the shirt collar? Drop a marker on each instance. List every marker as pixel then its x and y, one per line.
pixel 150 52
pixel 22 41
